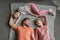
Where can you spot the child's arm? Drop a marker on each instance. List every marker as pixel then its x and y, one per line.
pixel 11 23
pixel 17 20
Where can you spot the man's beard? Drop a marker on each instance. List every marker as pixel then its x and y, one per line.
pixel 26 25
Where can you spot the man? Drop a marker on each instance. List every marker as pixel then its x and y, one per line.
pixel 24 32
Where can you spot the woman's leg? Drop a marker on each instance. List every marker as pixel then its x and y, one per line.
pixel 36 10
pixel 43 12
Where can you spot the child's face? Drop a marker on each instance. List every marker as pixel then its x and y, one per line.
pixel 39 23
pixel 16 15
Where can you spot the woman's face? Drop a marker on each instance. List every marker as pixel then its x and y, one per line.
pixel 16 15
pixel 39 23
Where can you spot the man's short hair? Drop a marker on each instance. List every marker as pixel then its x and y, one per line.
pixel 24 20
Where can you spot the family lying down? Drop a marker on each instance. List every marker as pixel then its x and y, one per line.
pixel 25 31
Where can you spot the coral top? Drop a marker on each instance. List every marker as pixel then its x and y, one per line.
pixel 42 33
pixel 24 33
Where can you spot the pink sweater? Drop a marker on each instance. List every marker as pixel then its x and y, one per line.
pixel 42 33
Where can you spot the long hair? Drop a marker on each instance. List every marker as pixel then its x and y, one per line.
pixel 22 22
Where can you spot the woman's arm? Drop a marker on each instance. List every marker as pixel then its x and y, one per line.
pixel 17 19
pixel 45 20
pixel 32 13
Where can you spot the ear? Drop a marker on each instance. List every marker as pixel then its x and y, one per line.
pixel 24 21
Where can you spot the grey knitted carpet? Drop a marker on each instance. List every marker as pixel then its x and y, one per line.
pixel 51 19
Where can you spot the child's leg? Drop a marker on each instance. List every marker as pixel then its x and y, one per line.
pixel 36 10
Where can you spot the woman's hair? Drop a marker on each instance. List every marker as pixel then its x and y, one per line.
pixel 41 19
pixel 22 22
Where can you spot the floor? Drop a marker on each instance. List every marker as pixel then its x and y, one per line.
pixel 5 13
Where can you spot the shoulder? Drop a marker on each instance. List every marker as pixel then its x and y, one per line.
pixel 31 28
pixel 19 26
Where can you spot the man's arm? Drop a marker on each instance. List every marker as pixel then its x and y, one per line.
pixel 11 23
pixel 45 19
pixel 36 34
pixel 32 35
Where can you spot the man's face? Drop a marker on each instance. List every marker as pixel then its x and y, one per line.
pixel 27 22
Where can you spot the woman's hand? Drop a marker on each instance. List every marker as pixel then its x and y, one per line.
pixel 50 11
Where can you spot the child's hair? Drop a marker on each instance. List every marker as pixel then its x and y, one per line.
pixel 16 11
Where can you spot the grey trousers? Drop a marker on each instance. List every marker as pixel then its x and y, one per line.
pixel 12 35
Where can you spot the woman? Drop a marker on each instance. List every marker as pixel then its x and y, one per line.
pixel 41 31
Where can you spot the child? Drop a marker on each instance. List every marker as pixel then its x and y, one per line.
pixel 16 15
